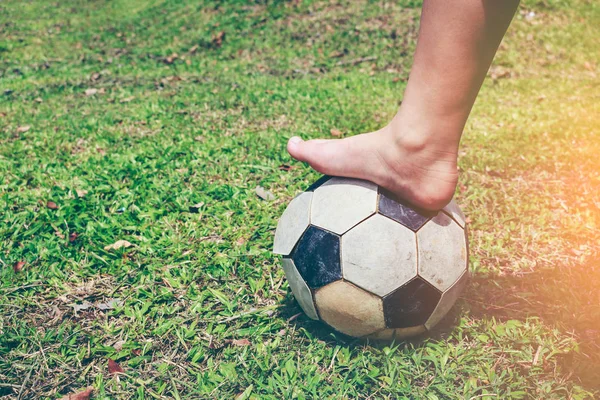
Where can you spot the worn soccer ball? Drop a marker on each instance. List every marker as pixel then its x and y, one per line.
pixel 368 265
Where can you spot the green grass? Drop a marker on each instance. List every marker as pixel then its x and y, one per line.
pixel 182 117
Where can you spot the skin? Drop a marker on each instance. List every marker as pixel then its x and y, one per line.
pixel 415 155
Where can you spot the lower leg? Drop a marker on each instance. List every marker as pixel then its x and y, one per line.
pixel 415 155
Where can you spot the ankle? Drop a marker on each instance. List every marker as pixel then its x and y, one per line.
pixel 421 132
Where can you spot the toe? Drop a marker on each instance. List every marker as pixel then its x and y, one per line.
pixel 307 151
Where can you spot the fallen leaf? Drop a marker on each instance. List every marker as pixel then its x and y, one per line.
pixel 91 91
pixel 38 100
pixel 59 234
pixel 110 304
pixel 240 342
pixel 117 245
pixel 81 192
pixel 83 395
pixel 499 72
pixel 127 99
pixel 52 205
pixel 72 237
pixel 264 193
pixel 336 54
pixel 114 367
pixel 18 266
pixel 118 346
pixel 285 167
pixel 218 38
pixel 81 307
pixel 241 241
pixel 199 138
pixel 23 129
pixel 95 76
pixel 336 133
pixel 212 239
pixel 136 352
pixel 193 49
pixel 196 208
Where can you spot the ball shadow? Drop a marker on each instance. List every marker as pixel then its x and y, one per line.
pixel 563 297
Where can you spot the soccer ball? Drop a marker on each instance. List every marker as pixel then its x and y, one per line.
pixel 368 265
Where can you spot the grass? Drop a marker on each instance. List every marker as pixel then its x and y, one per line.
pixel 123 114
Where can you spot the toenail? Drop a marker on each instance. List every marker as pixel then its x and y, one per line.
pixel 295 139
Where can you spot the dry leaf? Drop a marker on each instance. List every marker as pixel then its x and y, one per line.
pixel 23 129
pixel 196 208
pixel 110 304
pixel 117 245
pixel 91 92
pixel 114 367
pixel 240 342
pixel 52 205
pixel 285 167
pixel 118 346
pixel 171 58
pixel 193 49
pixel 499 72
pixel 127 99
pixel 18 266
pixel 200 138
pixel 218 39
pixel 38 100
pixel 336 133
pixel 81 192
pixel 136 352
pixel 83 395
pixel 72 237
pixel 83 306
pixel 264 193
pixel 59 234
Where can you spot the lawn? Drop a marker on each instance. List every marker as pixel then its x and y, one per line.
pixel 133 135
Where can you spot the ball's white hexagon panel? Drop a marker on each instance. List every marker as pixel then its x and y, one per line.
pixel 455 212
pixel 350 309
pixel 299 288
pixel 292 224
pixel 341 203
pixel 379 255
pixel 448 299
pixel 442 251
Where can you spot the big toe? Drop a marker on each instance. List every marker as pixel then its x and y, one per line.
pixel 306 151
pixel 319 153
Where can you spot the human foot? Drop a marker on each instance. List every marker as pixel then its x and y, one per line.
pixel 417 171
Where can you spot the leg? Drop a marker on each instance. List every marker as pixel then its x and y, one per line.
pixel 415 155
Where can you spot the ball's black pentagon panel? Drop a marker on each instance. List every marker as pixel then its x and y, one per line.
pixel 411 304
pixel 317 257
pixel 318 183
pixel 405 215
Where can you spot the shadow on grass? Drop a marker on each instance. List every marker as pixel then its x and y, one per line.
pixel 567 298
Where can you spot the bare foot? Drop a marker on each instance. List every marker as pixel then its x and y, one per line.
pixel 420 172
